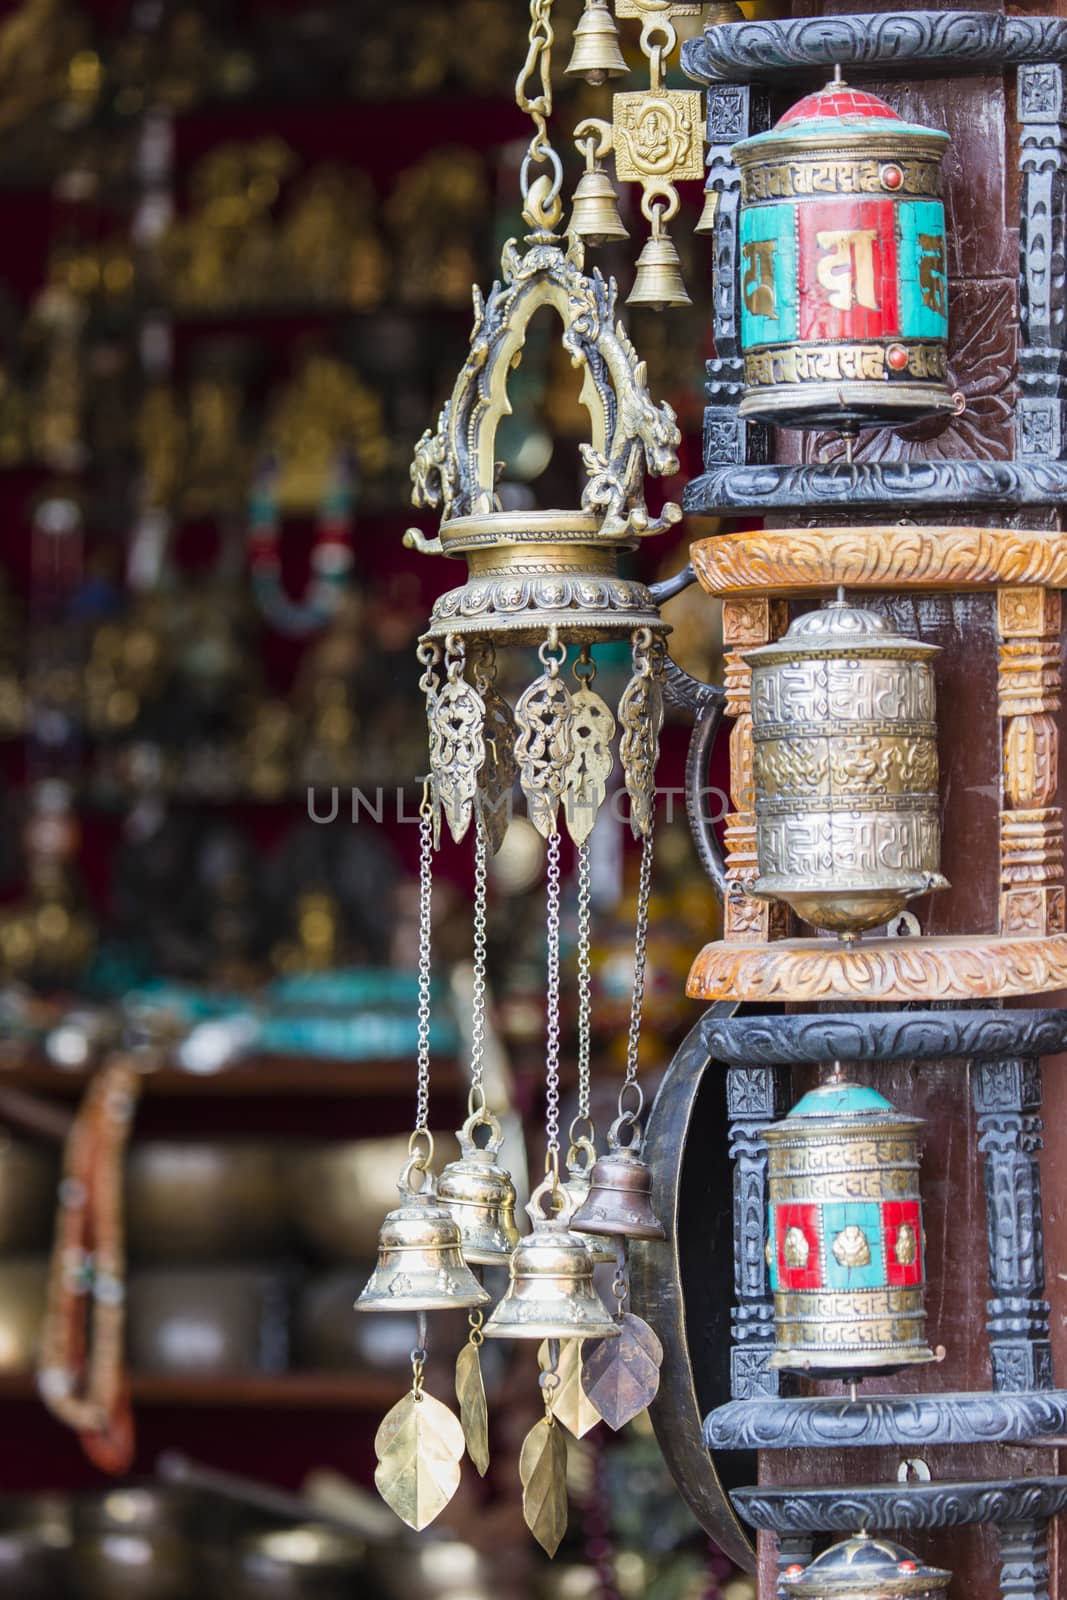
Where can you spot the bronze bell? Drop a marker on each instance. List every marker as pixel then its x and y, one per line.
pixel 728 11
pixel 710 215
pixel 596 55
pixel 658 282
pixel 420 1263
pixel 620 1193
pixel 595 214
pixel 577 1186
pixel 550 1292
pixel 480 1194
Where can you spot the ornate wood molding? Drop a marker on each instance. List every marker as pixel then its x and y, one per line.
pixel 883 1036
pixel 907 43
pixel 811 560
pixel 912 486
pixel 916 1506
pixel 952 968
pixel 912 1420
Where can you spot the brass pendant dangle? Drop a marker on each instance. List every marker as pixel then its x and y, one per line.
pixel 641 716
pixel 585 779
pixel 457 741
pixel 545 718
pixel 419 1446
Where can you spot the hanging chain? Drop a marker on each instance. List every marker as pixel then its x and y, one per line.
pixel 476 1101
pixel 533 95
pixel 633 1044
pixel 552 899
pixel 422 1110
pixel 585 973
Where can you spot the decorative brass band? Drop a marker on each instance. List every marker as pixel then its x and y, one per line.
pixel 851 1305
pixel 817 804
pixel 896 146
pixel 948 968
pixel 777 179
pixel 791 1152
pixel 810 366
pixel 544 528
pixel 813 560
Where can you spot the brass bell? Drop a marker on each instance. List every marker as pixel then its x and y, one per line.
pixel 420 1263
pixel 728 11
pixel 480 1194
pixel 596 55
pixel 620 1193
pixel 710 214
pixel 550 1293
pixel 576 1185
pixel 595 215
pixel 658 283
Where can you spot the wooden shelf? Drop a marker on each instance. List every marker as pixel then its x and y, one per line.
pixel 310 1391
pixel 257 1075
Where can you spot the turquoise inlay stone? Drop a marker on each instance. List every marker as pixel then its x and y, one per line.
pixel 922 266
pixel 769 289
pixel 840 1099
pixel 865 1217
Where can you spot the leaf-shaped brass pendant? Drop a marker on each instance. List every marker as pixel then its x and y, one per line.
pixel 497 777
pixel 543 747
pixel 641 715
pixel 591 761
pixel 419 1448
pixel 543 1470
pixel 473 1412
pixel 457 750
pixel 570 1403
pixel 621 1376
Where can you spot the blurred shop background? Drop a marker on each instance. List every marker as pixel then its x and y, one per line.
pixel 239 243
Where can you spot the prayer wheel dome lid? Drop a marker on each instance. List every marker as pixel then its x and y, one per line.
pixel 839 112
pixel 863 1565
pixel 841 1099
pixel 838 1106
pixel 836 630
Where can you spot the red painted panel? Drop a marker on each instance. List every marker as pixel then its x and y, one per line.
pixel 848 270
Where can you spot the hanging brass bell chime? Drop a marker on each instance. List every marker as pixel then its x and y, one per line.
pixel 596 55
pixel 581 1159
pixel 619 1202
pixel 550 1293
pixel 658 282
pixel 480 1195
pixel 420 1260
pixel 595 212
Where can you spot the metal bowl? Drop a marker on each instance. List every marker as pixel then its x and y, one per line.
pixel 207 1320
pixel 339 1192
pixel 303 1562
pixel 23 1295
pixel 141 1544
pixel 204 1200
pixel 29 1174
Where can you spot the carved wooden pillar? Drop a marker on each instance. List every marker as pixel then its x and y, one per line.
pixel 1030 698
pixel 746 624
pixel 755 1097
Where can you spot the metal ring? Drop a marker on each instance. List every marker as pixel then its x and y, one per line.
pixel 572 1137
pixel 419 1158
pixel 479 1108
pixel 656 214
pixel 624 1111
pixel 557 173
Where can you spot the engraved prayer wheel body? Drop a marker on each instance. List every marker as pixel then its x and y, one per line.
pixel 846 1244
pixel 864 1568
pixel 844 291
pixel 845 769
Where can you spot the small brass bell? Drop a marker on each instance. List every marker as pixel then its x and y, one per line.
pixel 728 11
pixel 596 55
pixel 710 214
pixel 620 1194
pixel 658 282
pixel 550 1292
pixel 480 1195
pixel 577 1186
pixel 420 1263
pixel 595 214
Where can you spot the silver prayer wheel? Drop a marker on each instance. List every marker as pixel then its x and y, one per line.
pixel 862 1568
pixel 846 1246
pixel 845 769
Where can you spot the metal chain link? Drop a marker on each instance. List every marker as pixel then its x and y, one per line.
pixel 538 64
pixel 422 1110
pixel 552 901
pixel 477 1092
pixel 644 890
pixel 585 977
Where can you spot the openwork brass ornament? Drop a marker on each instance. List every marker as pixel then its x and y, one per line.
pixel 865 1568
pixel 585 780
pixel 845 769
pixel 844 277
pixel 846 1237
